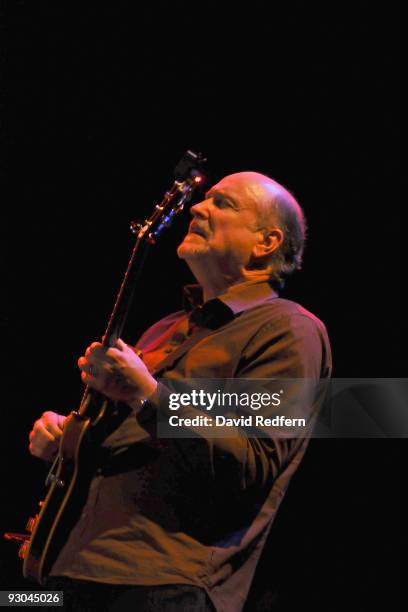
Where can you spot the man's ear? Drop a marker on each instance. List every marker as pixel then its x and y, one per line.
pixel 271 241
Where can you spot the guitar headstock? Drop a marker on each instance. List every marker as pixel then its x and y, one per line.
pixel 188 176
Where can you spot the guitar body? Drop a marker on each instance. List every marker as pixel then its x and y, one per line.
pixel 65 498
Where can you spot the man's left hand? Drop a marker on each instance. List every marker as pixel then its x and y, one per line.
pixel 116 372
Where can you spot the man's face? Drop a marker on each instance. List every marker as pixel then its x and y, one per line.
pixel 224 228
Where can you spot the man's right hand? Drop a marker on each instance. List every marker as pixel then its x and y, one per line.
pixel 46 434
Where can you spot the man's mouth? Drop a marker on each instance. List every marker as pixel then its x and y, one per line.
pixel 197 230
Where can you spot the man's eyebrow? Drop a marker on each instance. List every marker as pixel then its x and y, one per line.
pixel 215 192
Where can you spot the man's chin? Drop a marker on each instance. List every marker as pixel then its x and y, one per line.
pixel 191 251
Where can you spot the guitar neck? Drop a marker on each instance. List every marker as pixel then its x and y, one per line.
pixel 126 293
pixel 188 177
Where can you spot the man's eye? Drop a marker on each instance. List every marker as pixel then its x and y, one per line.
pixel 221 202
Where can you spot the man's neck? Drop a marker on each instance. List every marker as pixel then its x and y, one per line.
pixel 215 282
pixel 213 290
pixel 211 280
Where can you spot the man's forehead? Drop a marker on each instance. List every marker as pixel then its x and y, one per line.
pixel 249 185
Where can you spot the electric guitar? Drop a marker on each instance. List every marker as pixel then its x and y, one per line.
pixel 79 451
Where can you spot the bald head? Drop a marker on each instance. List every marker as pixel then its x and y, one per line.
pixel 275 207
pixel 271 199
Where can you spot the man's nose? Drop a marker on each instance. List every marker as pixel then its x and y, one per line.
pixel 200 209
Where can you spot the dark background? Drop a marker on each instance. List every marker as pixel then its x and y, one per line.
pixel 102 101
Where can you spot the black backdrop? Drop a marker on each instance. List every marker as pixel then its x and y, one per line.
pixel 102 100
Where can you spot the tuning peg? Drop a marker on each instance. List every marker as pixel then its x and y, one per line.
pixel 135 227
pixel 31 523
pixel 23 550
pixel 16 537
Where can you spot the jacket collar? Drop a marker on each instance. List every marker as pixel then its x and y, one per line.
pixel 225 307
pixel 238 298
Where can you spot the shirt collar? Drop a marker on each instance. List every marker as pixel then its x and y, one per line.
pixel 220 310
